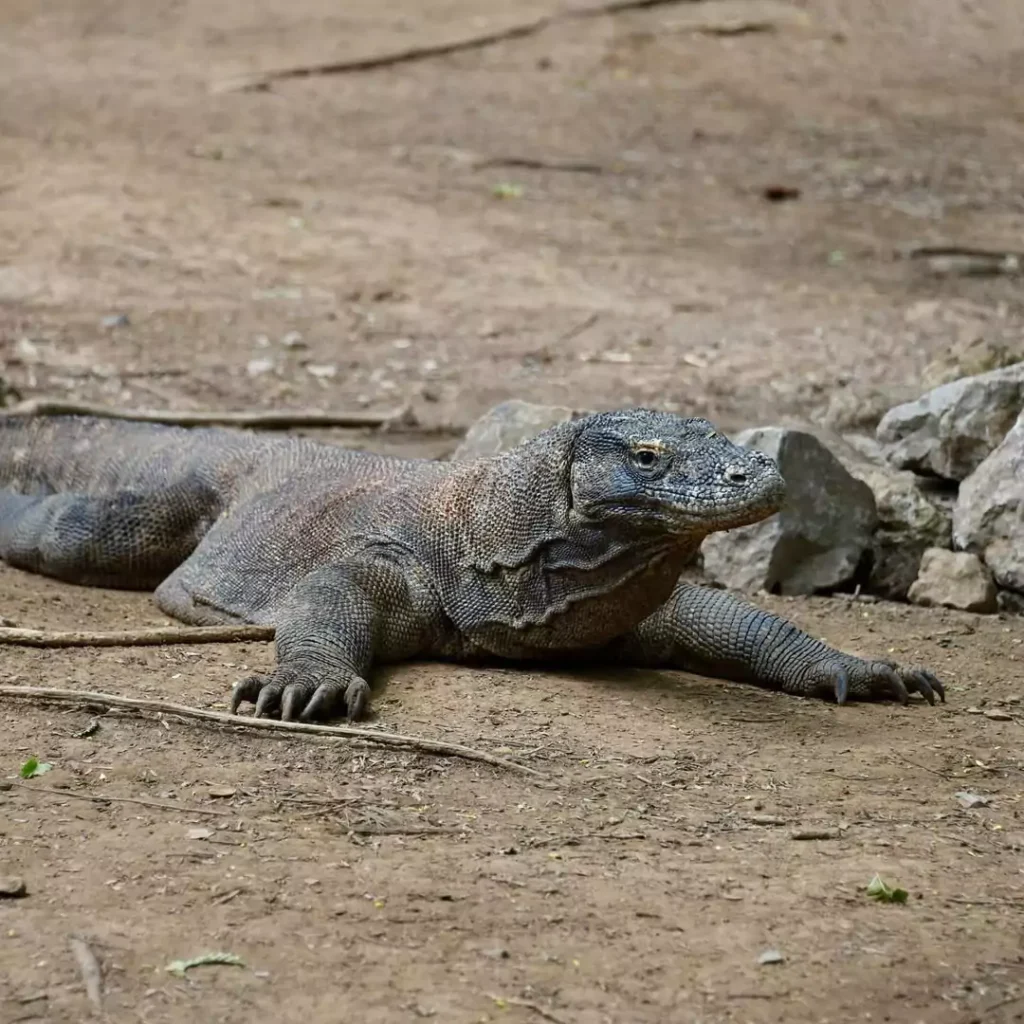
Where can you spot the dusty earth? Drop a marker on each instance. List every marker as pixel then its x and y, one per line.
pixel 356 241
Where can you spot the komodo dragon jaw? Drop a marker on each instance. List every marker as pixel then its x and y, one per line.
pixel 663 474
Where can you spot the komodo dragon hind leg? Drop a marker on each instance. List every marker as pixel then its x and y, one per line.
pixel 126 540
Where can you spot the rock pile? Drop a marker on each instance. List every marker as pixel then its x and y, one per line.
pixel 930 510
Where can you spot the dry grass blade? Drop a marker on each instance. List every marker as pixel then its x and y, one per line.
pixel 90 970
pixel 437 748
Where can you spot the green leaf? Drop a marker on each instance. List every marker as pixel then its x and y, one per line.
pixel 507 190
pixel 179 967
pixel 33 767
pixel 878 890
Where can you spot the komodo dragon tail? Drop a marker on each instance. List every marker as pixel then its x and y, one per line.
pixel 109 502
pixel 94 456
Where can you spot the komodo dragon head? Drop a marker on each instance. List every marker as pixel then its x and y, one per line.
pixel 654 471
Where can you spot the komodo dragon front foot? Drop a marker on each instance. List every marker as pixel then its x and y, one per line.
pixel 301 691
pixel 844 677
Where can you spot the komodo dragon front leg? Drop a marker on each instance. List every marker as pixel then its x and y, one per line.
pixel 336 623
pixel 712 633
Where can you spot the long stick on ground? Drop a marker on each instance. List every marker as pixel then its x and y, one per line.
pixel 371 736
pixel 158 635
pixel 262 79
pixel 72 795
pixel 211 417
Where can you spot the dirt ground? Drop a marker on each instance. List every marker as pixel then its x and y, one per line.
pixel 356 241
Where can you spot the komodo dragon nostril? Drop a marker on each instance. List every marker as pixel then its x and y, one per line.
pixel 735 474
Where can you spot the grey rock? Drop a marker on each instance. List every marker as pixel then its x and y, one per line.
pixel 989 515
pixel 913 513
pixel 952 429
pixel 1010 602
pixel 507 425
pixel 954 579
pixel 819 539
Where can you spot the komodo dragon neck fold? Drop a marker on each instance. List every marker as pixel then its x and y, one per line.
pixel 532 561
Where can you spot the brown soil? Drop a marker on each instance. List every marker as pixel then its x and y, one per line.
pixel 643 881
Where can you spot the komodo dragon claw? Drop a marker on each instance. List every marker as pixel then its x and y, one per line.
pixel 296 697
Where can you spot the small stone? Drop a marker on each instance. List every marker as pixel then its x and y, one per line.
pixel 954 579
pixel 323 371
pixel 818 540
pixel 12 888
pixel 1010 602
pixel 222 791
pixel 952 429
pixel 27 351
pixel 913 513
pixel 199 833
pixel 770 956
pixel 293 340
pixel 508 425
pixel 258 367
pixel 989 515
pixel 969 800
pixel 115 320
pixel 998 716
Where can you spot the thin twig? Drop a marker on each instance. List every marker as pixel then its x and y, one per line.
pixel 117 799
pixel 401 830
pixel 923 767
pixel 136 637
pixel 90 969
pixel 526 1004
pixel 537 164
pixel 371 736
pixel 578 329
pixel 263 79
pixel 210 417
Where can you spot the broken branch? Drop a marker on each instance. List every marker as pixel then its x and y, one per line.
pixel 136 637
pixel 96 799
pixel 262 80
pixel 437 748
pixel 207 418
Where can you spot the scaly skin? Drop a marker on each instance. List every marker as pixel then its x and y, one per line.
pixel 569 545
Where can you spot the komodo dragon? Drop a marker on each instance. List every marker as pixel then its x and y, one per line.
pixel 568 546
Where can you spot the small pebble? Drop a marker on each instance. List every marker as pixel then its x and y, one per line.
pixel 999 716
pixel 770 956
pixel 969 800
pixel 12 888
pixel 258 367
pixel 115 320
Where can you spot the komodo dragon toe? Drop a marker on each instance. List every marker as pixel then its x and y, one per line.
pixel 297 694
pixel 843 677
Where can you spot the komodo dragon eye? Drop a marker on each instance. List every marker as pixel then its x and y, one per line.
pixel 646 458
